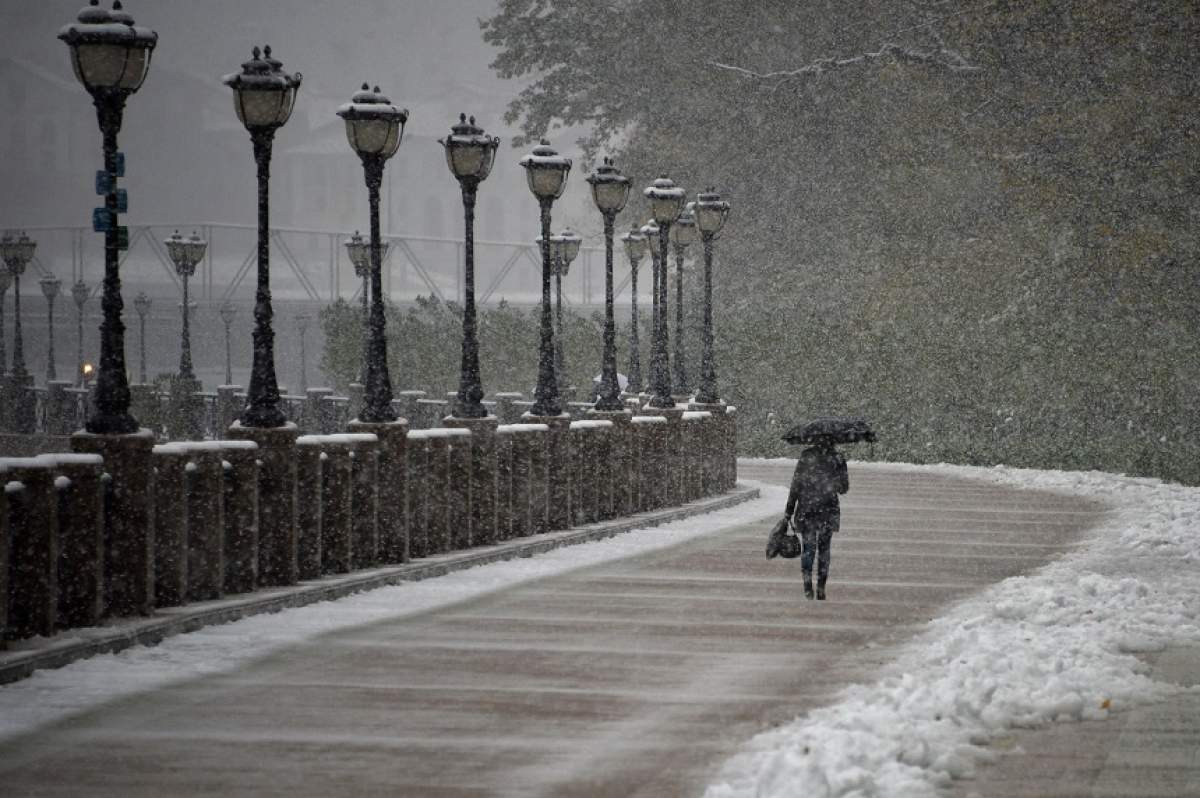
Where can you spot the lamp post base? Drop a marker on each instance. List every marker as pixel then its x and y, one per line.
pixel 277 552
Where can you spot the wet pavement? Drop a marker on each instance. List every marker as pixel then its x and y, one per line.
pixel 636 677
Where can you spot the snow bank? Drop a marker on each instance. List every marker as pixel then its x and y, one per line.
pixel 1055 646
pixel 50 695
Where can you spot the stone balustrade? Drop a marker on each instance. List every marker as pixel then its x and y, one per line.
pixel 124 526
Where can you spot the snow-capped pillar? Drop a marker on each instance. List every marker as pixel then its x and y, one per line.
pixel 481 476
pixel 364 525
pixel 80 538
pixel 714 465
pixel 695 427
pixel 356 392
pixel 313 419
pixel 730 440
pixel 129 517
pixel 558 472
pixel 311 498
pixel 239 466
pixel 170 524
pixel 437 491
pixel 337 504
pixel 619 460
pixel 459 448
pixel 507 452
pixel 60 416
pixel 393 484
pixel 231 399
pixel 277 564
pixel 539 478
pixel 407 405
pixel 656 475
pixel 417 499
pixel 506 410
pixel 206 522
pixel 33 554
pixel 5 542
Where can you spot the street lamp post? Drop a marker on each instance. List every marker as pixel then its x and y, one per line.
pixel 263 97
pixel 50 287
pixel 564 248
pixel 302 321
pixel 374 128
pixel 635 247
pixel 710 211
pixel 185 253
pixel 81 293
pixel 227 314
pixel 359 250
pixel 650 232
pixel 17 252
pixel 470 155
pixel 683 233
pixel 666 202
pixel 610 192
pixel 141 303
pixel 111 57
pixel 6 279
pixel 546 172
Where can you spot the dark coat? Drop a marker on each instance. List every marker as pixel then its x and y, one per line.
pixel 819 477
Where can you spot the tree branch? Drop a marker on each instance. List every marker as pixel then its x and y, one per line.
pixel 941 56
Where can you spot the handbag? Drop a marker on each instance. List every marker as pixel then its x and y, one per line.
pixel 783 541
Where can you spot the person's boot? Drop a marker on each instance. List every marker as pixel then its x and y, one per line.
pixel 808 591
pixel 820 590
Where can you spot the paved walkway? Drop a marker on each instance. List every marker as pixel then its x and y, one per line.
pixel 637 677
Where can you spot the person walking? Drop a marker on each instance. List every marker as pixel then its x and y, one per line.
pixel 813 507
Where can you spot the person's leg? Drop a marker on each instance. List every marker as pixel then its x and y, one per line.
pixel 825 529
pixel 808 539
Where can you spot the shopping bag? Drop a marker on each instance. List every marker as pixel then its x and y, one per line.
pixel 783 541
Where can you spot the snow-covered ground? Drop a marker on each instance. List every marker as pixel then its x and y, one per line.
pixel 52 695
pixel 1056 646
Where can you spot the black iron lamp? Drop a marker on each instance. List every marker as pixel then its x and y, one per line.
pixel 636 246
pixel 710 212
pixel 374 128
pixel 546 172
pixel 470 154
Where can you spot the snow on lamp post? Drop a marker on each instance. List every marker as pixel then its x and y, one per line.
pixel 81 292
pixel 470 155
pixel 141 303
pixel 683 233
pixel 374 128
pixel 546 172
pixel 227 314
pixel 610 192
pixel 635 247
pixel 263 97
pixel 17 252
pixel 111 57
pixel 710 211
pixel 50 287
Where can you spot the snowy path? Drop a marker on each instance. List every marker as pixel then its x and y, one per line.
pixel 637 676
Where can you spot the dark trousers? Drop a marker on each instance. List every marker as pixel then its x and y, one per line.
pixel 816 528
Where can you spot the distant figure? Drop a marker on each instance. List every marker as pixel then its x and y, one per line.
pixel 819 477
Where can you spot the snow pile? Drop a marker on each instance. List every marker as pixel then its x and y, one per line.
pixel 50 695
pixel 1058 645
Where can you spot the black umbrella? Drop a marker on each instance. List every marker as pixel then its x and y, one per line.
pixel 831 430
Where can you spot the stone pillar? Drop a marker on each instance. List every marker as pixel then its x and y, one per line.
pixel 80 539
pixel 393 485
pixel 417 494
pixel 558 451
pixel 337 511
pixel 730 442
pixel 653 433
pixel 240 467
pixel 310 501
pixel 406 402
pixel 277 564
pixel 671 471
pixel 146 407
pixel 483 476
pixel 458 488
pixel 538 478
pixel 615 454
pixel 364 475
pixel 437 489
pixel 33 552
pixel 170 524
pixel 355 391
pixel 506 444
pixel 313 419
pixel 60 420
pixel 206 522
pixel 506 411
pixel 5 538
pixel 129 517
pixel 229 406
